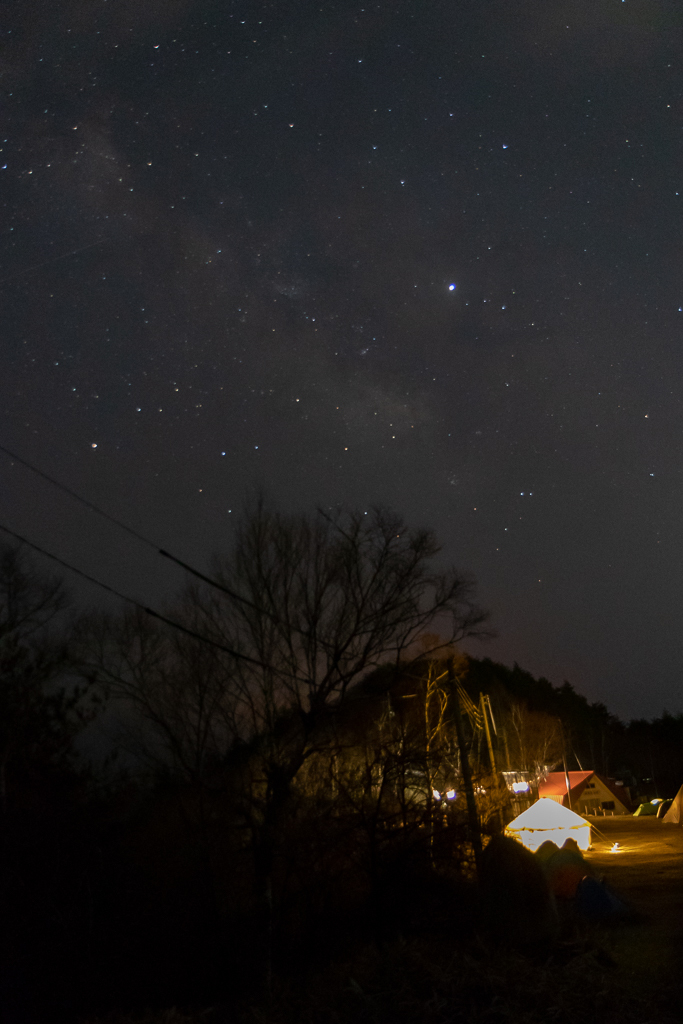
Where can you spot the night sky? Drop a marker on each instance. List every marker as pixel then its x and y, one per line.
pixel 424 254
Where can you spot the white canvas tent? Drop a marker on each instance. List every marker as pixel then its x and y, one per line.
pixel 675 812
pixel 547 819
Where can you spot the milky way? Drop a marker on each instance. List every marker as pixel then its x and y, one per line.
pixel 423 255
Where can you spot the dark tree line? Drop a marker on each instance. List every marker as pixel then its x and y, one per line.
pixel 646 755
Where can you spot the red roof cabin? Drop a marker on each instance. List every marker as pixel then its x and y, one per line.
pixel 590 793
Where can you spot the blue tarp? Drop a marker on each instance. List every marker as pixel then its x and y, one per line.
pixel 595 901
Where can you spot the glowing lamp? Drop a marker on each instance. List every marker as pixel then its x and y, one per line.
pixel 520 787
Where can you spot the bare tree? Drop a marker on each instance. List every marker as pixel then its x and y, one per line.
pixel 302 608
pixel 322 601
pixel 38 717
pixel 177 686
pixel 535 739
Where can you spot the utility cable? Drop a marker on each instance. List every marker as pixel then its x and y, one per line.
pixel 150 544
pixel 77 497
pixel 155 547
pixel 130 600
pixel 129 530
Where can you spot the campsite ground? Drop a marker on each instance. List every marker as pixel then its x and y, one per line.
pixel 426 980
pixel 647 873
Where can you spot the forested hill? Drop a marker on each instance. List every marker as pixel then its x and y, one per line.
pixel 647 755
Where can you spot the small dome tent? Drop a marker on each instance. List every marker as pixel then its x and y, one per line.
pixel 675 813
pixel 547 819
pixel 646 809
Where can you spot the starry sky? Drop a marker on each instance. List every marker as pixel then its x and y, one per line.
pixel 421 254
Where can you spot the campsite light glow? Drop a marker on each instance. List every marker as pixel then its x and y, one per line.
pixel 450 794
pixel 549 820
pixel 520 787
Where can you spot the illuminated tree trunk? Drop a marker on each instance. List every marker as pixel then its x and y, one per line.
pixel 475 832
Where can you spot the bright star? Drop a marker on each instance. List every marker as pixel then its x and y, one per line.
pixel 451 287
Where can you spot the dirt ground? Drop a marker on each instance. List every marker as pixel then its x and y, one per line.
pixel 646 872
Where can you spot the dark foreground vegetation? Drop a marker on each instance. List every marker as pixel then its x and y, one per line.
pixel 281 847
pixel 428 982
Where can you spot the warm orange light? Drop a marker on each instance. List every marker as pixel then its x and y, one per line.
pixel 533 839
pixel 547 820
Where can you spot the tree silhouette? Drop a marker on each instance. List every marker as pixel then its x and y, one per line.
pixel 38 717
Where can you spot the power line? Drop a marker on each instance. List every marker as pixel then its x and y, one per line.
pixel 130 600
pixel 150 544
pixel 78 497
pixel 66 565
pixel 129 530
pixel 245 601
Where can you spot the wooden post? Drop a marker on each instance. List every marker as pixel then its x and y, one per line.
pixel 472 814
pixel 492 759
pixel 564 762
pixel 507 749
pixel 498 803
